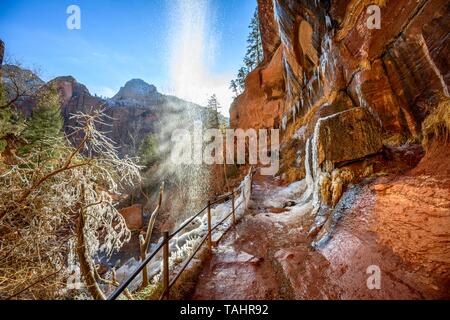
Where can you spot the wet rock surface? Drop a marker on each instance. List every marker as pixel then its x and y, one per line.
pixel 133 216
pixel 269 255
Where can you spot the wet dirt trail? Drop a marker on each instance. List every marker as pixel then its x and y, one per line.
pixel 243 265
pixel 268 255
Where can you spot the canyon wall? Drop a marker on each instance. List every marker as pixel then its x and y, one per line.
pixel 351 101
pixel 324 57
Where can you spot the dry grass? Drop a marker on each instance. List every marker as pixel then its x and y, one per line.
pixel 437 125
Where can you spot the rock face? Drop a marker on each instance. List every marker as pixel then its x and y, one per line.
pixel 342 92
pixel 359 133
pixel 378 68
pixel 329 59
pixel 263 98
pixel 136 93
pixel 395 72
pixel 269 28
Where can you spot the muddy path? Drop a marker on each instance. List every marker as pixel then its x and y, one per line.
pixel 268 255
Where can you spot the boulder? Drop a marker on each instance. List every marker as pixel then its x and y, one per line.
pixel 347 136
pixel 133 216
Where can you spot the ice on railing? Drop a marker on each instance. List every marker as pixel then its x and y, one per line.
pixel 182 245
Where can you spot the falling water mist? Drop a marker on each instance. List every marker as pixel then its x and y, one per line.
pixel 191 52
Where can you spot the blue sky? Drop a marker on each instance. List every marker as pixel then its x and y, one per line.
pixel 121 40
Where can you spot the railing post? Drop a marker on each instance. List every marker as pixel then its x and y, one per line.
pixel 166 266
pixel 209 226
pixel 251 180
pixel 232 206
pixel 143 256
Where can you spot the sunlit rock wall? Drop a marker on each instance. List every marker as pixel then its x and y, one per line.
pixel 397 72
pixel 269 28
pixel 329 60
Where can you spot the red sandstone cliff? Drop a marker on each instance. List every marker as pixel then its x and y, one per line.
pixel 396 72
pixel 351 103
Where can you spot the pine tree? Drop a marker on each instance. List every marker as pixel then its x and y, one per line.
pixel 45 124
pixel 213 107
pixel 149 151
pixel 234 87
pixel 254 55
pixel 11 121
pixel 242 74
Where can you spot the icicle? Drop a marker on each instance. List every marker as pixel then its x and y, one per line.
pixel 328 22
pixel 284 122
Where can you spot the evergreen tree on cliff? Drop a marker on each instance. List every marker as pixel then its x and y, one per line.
pixel 11 121
pixel 149 151
pixel 213 112
pixel 45 123
pixel 253 57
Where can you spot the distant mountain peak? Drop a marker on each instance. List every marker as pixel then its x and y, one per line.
pixel 135 89
pixel 136 93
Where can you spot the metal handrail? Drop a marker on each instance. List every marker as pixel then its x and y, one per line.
pixel 201 243
pixel 133 275
pixel 116 293
pixel 187 222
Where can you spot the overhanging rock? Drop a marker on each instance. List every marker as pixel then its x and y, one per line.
pixel 348 135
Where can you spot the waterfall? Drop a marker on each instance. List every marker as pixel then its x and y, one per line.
pixel 191 55
pixel 315 163
pixel 191 49
pixel 312 167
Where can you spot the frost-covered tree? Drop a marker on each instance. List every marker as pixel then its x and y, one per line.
pixel 60 216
